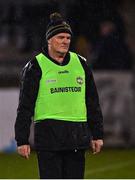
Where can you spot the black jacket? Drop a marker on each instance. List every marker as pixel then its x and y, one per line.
pixel 54 134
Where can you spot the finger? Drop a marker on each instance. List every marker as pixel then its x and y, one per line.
pixel 29 150
pixel 93 147
pixel 20 151
pixel 98 148
pixel 27 153
pixel 27 156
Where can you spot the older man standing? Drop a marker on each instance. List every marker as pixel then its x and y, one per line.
pixel 59 92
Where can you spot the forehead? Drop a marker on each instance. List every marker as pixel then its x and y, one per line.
pixel 62 35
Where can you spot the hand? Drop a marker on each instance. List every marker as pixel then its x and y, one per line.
pixel 24 150
pixel 96 145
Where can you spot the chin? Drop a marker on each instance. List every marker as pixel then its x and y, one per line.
pixel 63 51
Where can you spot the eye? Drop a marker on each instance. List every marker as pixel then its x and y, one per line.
pixel 69 38
pixel 60 37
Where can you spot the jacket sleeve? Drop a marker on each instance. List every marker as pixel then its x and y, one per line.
pixel 31 75
pixel 94 113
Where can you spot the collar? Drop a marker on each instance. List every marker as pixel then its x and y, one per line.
pixel 65 60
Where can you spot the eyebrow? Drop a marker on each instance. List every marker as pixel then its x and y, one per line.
pixel 64 36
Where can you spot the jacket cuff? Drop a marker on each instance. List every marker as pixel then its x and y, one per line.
pixel 98 135
pixel 20 143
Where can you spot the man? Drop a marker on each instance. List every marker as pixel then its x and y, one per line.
pixel 59 92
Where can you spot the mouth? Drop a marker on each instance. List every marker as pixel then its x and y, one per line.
pixel 65 47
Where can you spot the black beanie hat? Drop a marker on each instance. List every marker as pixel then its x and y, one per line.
pixel 57 25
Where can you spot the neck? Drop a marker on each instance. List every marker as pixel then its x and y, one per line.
pixel 59 57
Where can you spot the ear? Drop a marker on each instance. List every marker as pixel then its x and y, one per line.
pixel 49 41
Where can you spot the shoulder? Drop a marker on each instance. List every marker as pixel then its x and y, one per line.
pixel 84 64
pixel 82 58
pixel 31 67
pixel 32 63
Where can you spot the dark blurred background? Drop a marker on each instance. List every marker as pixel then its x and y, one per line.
pixel 103 33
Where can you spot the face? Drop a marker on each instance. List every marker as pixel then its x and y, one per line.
pixel 59 43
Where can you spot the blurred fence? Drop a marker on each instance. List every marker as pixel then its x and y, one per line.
pixel 116 97
pixel 117 101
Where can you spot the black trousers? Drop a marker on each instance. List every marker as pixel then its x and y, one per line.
pixel 61 164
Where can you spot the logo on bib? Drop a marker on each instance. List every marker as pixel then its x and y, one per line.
pixel 51 81
pixel 79 80
pixel 63 72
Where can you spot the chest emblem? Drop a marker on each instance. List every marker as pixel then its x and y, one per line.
pixel 79 80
